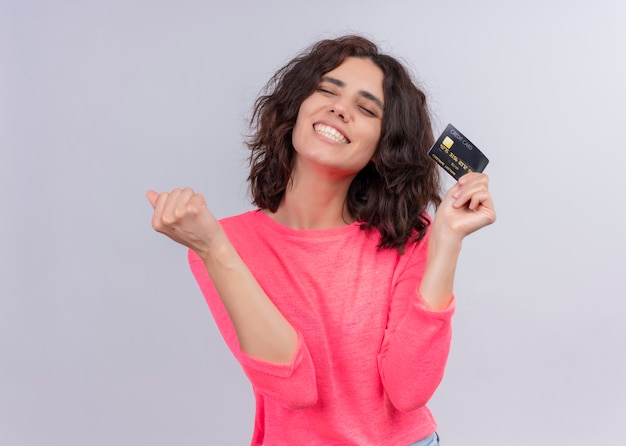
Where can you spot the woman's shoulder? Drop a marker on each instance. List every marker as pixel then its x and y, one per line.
pixel 241 218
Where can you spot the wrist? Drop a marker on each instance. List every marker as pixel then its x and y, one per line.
pixel 219 251
pixel 443 241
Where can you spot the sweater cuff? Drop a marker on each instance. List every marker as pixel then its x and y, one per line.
pixel 445 313
pixel 272 368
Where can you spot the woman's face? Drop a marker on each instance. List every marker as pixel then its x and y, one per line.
pixel 338 126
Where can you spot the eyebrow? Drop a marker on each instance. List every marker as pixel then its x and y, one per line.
pixel 363 93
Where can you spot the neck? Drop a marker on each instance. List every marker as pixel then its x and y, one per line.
pixel 314 202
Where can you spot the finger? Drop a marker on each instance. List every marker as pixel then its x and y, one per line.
pixel 472 177
pixel 478 199
pixel 159 204
pixel 466 195
pixel 467 181
pixel 152 197
pixel 468 186
pixel 182 202
pixel 168 216
pixel 453 193
pixel 198 200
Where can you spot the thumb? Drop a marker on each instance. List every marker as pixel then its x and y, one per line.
pixel 152 197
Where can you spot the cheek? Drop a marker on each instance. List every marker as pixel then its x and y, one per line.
pixel 374 136
pixel 374 141
pixel 297 129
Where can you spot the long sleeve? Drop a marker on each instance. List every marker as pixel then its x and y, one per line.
pixel 416 343
pixel 292 385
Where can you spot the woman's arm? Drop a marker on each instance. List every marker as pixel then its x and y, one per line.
pixel 267 346
pixel 417 342
pixel 466 208
pixel 262 330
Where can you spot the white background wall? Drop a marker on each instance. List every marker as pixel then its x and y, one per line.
pixel 105 338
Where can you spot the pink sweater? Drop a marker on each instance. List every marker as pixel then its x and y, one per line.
pixel 370 353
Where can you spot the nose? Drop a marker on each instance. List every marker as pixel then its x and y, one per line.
pixel 339 110
pixel 339 114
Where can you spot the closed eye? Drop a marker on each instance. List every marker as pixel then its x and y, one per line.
pixel 367 111
pixel 325 91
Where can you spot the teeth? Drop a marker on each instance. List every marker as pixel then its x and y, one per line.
pixel 330 133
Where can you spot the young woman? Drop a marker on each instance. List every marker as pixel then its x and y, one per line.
pixel 335 295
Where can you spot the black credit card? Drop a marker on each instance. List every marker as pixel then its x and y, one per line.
pixel 456 154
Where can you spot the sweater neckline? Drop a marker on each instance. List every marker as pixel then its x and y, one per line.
pixel 261 218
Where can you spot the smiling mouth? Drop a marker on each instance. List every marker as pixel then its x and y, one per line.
pixel 330 133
